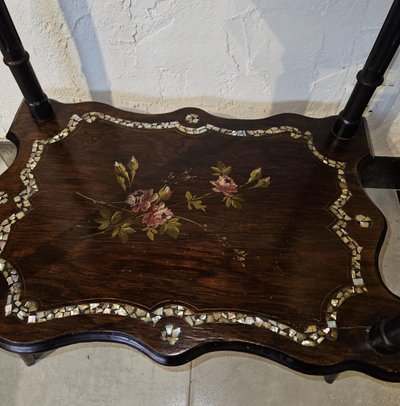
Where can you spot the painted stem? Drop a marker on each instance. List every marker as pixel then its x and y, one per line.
pixel 103 203
pixel 203 226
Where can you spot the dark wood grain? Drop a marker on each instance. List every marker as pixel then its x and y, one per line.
pixel 294 266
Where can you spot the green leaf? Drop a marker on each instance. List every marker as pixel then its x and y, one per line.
pixel 123 236
pixel 116 217
pixel 115 232
pixel 150 235
pixel 262 183
pixel 133 164
pixel 104 225
pixel 236 204
pixel 104 212
pixel 172 227
pixel 121 170
pixel 191 201
pixel 227 170
pixel 255 174
pixel 128 230
pixel 163 228
pixel 132 174
pixel 216 171
pixel 124 231
pixel 228 201
pixel 173 232
pixel 189 198
pixel 121 182
pixel 197 204
pixel 174 220
pixel 220 165
pixel 122 174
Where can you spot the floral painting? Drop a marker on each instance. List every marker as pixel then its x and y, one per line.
pixel 151 211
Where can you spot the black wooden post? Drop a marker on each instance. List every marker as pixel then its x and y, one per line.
pixel 330 378
pixel 371 76
pixel 29 359
pixel 384 336
pixel 17 59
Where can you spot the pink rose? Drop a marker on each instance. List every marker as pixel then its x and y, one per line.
pixel 157 215
pixel 141 199
pixel 224 184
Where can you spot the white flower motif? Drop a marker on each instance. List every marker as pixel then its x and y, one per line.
pixel 192 118
pixel 170 334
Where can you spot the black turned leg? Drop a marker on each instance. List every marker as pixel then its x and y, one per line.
pixel 384 336
pixel 330 378
pixel 17 59
pixel 371 76
pixel 29 359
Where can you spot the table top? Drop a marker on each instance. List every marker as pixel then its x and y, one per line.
pixel 184 233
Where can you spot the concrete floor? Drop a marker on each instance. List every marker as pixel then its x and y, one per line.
pixel 107 374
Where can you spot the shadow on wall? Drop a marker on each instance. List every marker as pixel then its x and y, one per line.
pixel 78 17
pixel 321 49
pixel 261 27
pixel 146 104
pixel 322 63
pixel 299 43
pixel 309 72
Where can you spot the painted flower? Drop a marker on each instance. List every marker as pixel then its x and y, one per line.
pixel 141 199
pixel 224 184
pixel 157 215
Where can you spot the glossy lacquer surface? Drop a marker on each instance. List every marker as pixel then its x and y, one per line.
pixel 185 233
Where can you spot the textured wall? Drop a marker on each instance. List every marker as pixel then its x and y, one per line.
pixel 237 58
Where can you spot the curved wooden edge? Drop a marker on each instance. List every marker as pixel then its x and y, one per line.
pixel 202 349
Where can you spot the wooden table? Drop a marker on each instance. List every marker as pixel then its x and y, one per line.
pixel 184 233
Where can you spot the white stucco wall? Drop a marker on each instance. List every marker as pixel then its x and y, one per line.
pixel 235 58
